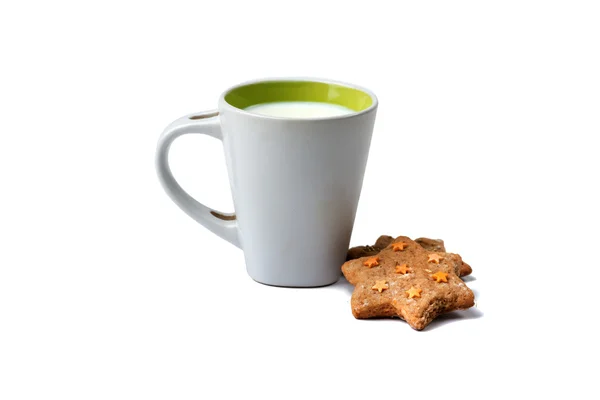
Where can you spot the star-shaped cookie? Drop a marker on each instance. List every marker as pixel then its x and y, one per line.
pixel 417 296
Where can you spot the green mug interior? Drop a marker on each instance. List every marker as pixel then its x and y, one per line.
pixel 275 91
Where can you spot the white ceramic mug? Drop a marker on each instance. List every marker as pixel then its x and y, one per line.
pixel 295 182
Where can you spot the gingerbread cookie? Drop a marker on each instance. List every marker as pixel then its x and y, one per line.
pixel 362 251
pixel 406 280
pixel 431 245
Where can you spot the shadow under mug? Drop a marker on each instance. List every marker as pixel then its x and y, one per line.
pixel 295 182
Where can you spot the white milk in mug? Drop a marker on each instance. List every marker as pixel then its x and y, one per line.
pixel 299 109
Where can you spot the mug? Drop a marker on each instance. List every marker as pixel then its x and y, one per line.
pixel 295 182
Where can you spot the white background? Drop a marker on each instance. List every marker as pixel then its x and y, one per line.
pixel 486 136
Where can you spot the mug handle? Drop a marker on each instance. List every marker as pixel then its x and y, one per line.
pixel 223 225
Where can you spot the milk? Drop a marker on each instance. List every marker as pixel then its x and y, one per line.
pixel 299 109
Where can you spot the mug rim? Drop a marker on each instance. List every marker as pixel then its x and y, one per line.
pixel 223 103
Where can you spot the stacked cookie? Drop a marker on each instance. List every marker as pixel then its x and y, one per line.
pixel 414 280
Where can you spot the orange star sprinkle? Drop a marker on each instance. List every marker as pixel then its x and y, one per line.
pixel 402 269
pixel 380 285
pixel 399 246
pixel 440 277
pixel 371 262
pixel 413 292
pixel 434 258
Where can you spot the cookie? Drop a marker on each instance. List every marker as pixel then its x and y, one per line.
pixel 432 245
pixel 406 280
pixel 362 251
